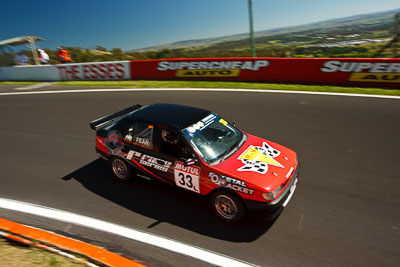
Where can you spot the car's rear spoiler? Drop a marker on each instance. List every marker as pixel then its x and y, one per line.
pixel 110 118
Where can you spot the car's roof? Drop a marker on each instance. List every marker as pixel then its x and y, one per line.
pixel 172 115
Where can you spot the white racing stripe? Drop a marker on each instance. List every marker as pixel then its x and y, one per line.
pixel 194 89
pixel 147 238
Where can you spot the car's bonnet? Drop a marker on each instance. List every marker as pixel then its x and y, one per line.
pixel 260 163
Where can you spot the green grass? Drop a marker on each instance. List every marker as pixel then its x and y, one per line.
pixel 16 83
pixel 15 254
pixel 233 85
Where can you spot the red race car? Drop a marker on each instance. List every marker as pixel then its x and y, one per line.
pixel 199 151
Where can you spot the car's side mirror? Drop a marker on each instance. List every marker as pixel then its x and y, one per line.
pixel 234 124
pixel 190 161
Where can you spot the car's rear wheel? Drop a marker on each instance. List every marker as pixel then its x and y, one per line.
pixel 120 169
pixel 227 206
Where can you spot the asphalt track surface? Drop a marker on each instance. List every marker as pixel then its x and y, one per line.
pixel 345 211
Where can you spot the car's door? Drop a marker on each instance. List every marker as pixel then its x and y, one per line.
pixel 145 147
pixel 141 150
pixel 185 171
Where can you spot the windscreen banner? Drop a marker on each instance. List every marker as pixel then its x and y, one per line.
pixel 382 72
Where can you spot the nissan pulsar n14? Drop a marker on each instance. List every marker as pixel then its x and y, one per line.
pixel 197 150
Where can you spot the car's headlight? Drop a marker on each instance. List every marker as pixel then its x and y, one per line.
pixel 273 194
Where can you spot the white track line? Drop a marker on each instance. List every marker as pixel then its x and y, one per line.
pixel 33 86
pixel 106 90
pixel 147 238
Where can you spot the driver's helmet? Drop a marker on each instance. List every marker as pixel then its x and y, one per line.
pixel 169 137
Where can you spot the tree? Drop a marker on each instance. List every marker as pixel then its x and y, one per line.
pixel 100 48
pixel 117 54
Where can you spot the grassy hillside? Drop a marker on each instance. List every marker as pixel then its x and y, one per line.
pixel 356 36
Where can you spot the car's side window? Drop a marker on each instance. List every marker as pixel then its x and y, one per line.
pixel 172 143
pixel 140 134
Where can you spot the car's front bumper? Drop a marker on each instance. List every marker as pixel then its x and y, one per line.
pixel 270 210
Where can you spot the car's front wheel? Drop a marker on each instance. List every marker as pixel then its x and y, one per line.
pixel 120 169
pixel 227 206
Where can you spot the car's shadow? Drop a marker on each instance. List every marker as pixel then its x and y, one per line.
pixel 165 203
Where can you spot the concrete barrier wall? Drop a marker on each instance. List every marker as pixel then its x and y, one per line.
pixel 29 73
pixel 113 70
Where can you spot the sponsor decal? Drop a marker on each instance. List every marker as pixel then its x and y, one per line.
pixel 187 176
pixel 365 71
pixel 208 73
pixel 257 158
pixel 143 141
pixel 128 138
pixel 114 143
pixel 199 126
pixel 103 71
pixel 375 77
pixel 222 121
pixel 229 182
pixel 211 68
pixel 149 161
pixel 339 66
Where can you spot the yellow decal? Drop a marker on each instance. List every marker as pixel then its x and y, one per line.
pixel 254 154
pixel 208 73
pixel 375 77
pixel 222 121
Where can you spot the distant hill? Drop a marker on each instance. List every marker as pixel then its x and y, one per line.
pixel 347 25
pixel 193 43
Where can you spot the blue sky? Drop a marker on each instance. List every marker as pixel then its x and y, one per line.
pixel 131 24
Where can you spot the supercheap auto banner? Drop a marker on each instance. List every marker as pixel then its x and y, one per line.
pixel 340 71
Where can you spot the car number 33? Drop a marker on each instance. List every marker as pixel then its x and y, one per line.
pixel 187 177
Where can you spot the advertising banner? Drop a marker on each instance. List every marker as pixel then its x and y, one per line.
pixel 112 70
pixel 383 72
pixel 341 71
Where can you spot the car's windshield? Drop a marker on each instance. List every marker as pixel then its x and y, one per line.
pixel 214 138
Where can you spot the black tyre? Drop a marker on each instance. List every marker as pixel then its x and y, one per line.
pixel 227 206
pixel 120 169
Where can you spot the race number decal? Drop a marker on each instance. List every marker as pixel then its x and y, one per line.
pixel 187 176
